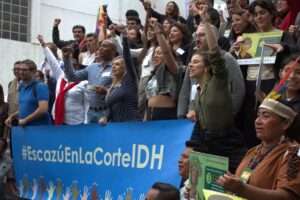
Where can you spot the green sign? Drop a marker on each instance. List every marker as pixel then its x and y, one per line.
pixel 250 50
pixel 204 170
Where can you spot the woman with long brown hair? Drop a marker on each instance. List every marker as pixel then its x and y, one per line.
pixel 162 86
pixel 263 12
pixel 215 127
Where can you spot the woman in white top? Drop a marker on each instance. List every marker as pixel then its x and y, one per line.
pixel 263 12
pixel 144 57
pixel 71 102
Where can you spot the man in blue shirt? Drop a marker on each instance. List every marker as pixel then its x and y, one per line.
pixel 33 98
pixel 98 76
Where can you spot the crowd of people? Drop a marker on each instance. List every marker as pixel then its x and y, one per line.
pixel 175 68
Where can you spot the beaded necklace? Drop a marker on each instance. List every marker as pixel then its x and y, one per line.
pixel 259 156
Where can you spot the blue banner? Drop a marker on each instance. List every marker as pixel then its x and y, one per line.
pixel 117 161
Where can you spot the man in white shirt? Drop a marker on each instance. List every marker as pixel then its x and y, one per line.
pixel 76 102
pixel 88 57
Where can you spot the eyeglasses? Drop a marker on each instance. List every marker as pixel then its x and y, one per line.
pixel 27 69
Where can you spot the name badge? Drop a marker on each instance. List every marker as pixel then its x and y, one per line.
pixel 246 174
pixel 193 92
pixel 180 51
pixel 105 74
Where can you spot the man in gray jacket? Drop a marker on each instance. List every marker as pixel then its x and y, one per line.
pixel 236 81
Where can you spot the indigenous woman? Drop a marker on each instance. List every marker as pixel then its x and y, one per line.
pixel 271 169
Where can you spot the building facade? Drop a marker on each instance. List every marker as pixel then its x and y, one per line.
pixel 22 20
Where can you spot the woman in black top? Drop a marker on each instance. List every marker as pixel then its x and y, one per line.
pixel 240 25
pixel 122 96
pixel 180 41
pixel 172 11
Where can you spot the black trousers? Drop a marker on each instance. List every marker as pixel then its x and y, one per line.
pixel 161 113
pixel 228 143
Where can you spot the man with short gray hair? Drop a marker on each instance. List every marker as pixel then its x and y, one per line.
pixel 98 75
pixel 236 80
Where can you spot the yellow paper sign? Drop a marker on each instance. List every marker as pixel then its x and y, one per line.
pixel 213 195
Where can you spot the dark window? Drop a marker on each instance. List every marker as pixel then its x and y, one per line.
pixel 24 11
pixel 6 26
pixel 14 36
pixel 23 20
pixel 15 9
pixel 15 27
pixel 23 29
pixel 17 2
pixel 24 3
pixel 23 38
pixel 5 34
pixel 6 7
pixel 14 19
pixel 6 16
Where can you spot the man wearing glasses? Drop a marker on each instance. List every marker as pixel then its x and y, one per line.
pixel 33 98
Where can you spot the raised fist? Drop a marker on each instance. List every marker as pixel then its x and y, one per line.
pixel 67 51
pixel 56 22
pixel 41 40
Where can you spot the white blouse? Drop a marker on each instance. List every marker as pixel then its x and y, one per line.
pixel 76 103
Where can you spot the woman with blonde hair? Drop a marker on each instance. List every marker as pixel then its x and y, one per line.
pixel 122 96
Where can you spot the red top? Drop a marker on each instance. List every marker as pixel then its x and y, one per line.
pixel 290 18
